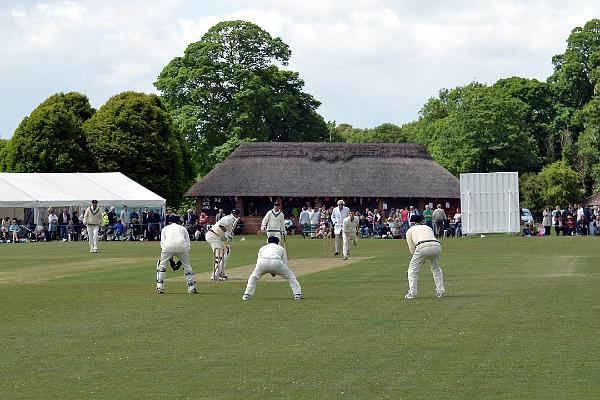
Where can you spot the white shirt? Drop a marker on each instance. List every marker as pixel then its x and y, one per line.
pixel 350 226
pixel 174 238
pixel 272 251
pixel 125 217
pixel 314 217
pixel 337 217
pixel 304 218
pixel 227 223
pixel 416 234
pixel 273 222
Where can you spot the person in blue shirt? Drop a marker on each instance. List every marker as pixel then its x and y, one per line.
pixel 119 229
pixel 14 229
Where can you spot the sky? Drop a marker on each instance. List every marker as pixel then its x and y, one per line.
pixel 368 62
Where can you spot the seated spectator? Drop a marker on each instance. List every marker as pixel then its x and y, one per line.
pixel 14 229
pixel 363 228
pixel 323 230
pixel 204 221
pixel 119 230
pixel 541 230
pixel 72 231
pixel 584 225
pixel 527 231
pixel 39 233
pixel 289 225
pixel 569 226
pixel 384 232
pixel 4 235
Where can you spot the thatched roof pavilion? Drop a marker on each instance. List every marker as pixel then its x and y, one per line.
pixel 365 175
pixel 329 169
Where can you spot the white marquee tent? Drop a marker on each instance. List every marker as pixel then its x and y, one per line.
pixel 75 190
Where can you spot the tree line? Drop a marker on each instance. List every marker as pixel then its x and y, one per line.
pixel 231 87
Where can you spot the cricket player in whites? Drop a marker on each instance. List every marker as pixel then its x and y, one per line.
pixel 174 241
pixel 349 231
pixel 423 246
pixel 272 259
pixel 337 217
pixel 216 236
pixel 273 222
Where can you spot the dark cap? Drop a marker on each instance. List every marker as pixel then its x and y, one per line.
pixel 273 239
pixel 235 211
pixel 416 218
pixel 95 201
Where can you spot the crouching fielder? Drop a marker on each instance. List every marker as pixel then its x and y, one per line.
pixel 272 259
pixel 174 241
pixel 216 236
pixel 423 246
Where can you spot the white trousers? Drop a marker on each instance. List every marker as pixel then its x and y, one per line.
pixel 347 237
pixel 429 251
pixel 161 269
pixel 217 243
pixel 92 231
pixel 267 265
pixel 338 241
pixel 277 234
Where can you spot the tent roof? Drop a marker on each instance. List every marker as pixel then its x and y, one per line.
pixel 73 189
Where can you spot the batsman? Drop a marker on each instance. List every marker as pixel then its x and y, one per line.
pixel 216 236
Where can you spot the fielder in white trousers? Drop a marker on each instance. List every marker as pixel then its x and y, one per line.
pixel 92 231
pixel 272 259
pixel 423 246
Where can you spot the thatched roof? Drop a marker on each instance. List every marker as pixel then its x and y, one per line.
pixel 329 169
pixel 593 200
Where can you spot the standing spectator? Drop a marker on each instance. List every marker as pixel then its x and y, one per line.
pixel 423 246
pixel 119 229
pixel 52 224
pixel 77 224
pixel 112 216
pixel 134 214
pixel 125 218
pixel 63 221
pixel 219 215
pixel 204 221
pixel 304 221
pixel 315 216
pixel 557 220
pixel 6 223
pixel 457 223
pixel 92 218
pixel 438 218
pixel 337 217
pixel 72 231
pixel 547 220
pixel 428 216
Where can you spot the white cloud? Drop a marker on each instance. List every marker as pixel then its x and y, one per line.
pixel 367 61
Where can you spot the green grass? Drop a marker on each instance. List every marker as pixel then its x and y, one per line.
pixel 520 321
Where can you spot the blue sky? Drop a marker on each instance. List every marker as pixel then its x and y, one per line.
pixel 368 62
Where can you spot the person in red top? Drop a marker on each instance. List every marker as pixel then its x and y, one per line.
pixel 404 220
pixel 203 220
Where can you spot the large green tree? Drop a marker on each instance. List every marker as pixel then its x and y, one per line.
pixel 228 87
pixel 560 184
pixel 134 133
pixel 476 128
pixel 384 133
pixel 50 139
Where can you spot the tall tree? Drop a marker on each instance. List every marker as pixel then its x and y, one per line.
pixel 476 128
pixel 561 184
pixel 134 133
pixel 384 133
pixel 228 87
pixel 51 138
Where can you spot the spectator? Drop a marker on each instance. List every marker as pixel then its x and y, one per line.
pixel 63 221
pixel 438 218
pixel 289 225
pixel 72 231
pixel 541 230
pixel 14 229
pixel 204 221
pixel 4 235
pixel 112 216
pixel 119 230
pixel 125 218
pixel 52 224
pixel 457 223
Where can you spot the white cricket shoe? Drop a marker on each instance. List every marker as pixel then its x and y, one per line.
pixel 246 296
pixel 439 294
pixel 160 290
pixel 298 296
pixel 409 295
pixel 193 291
